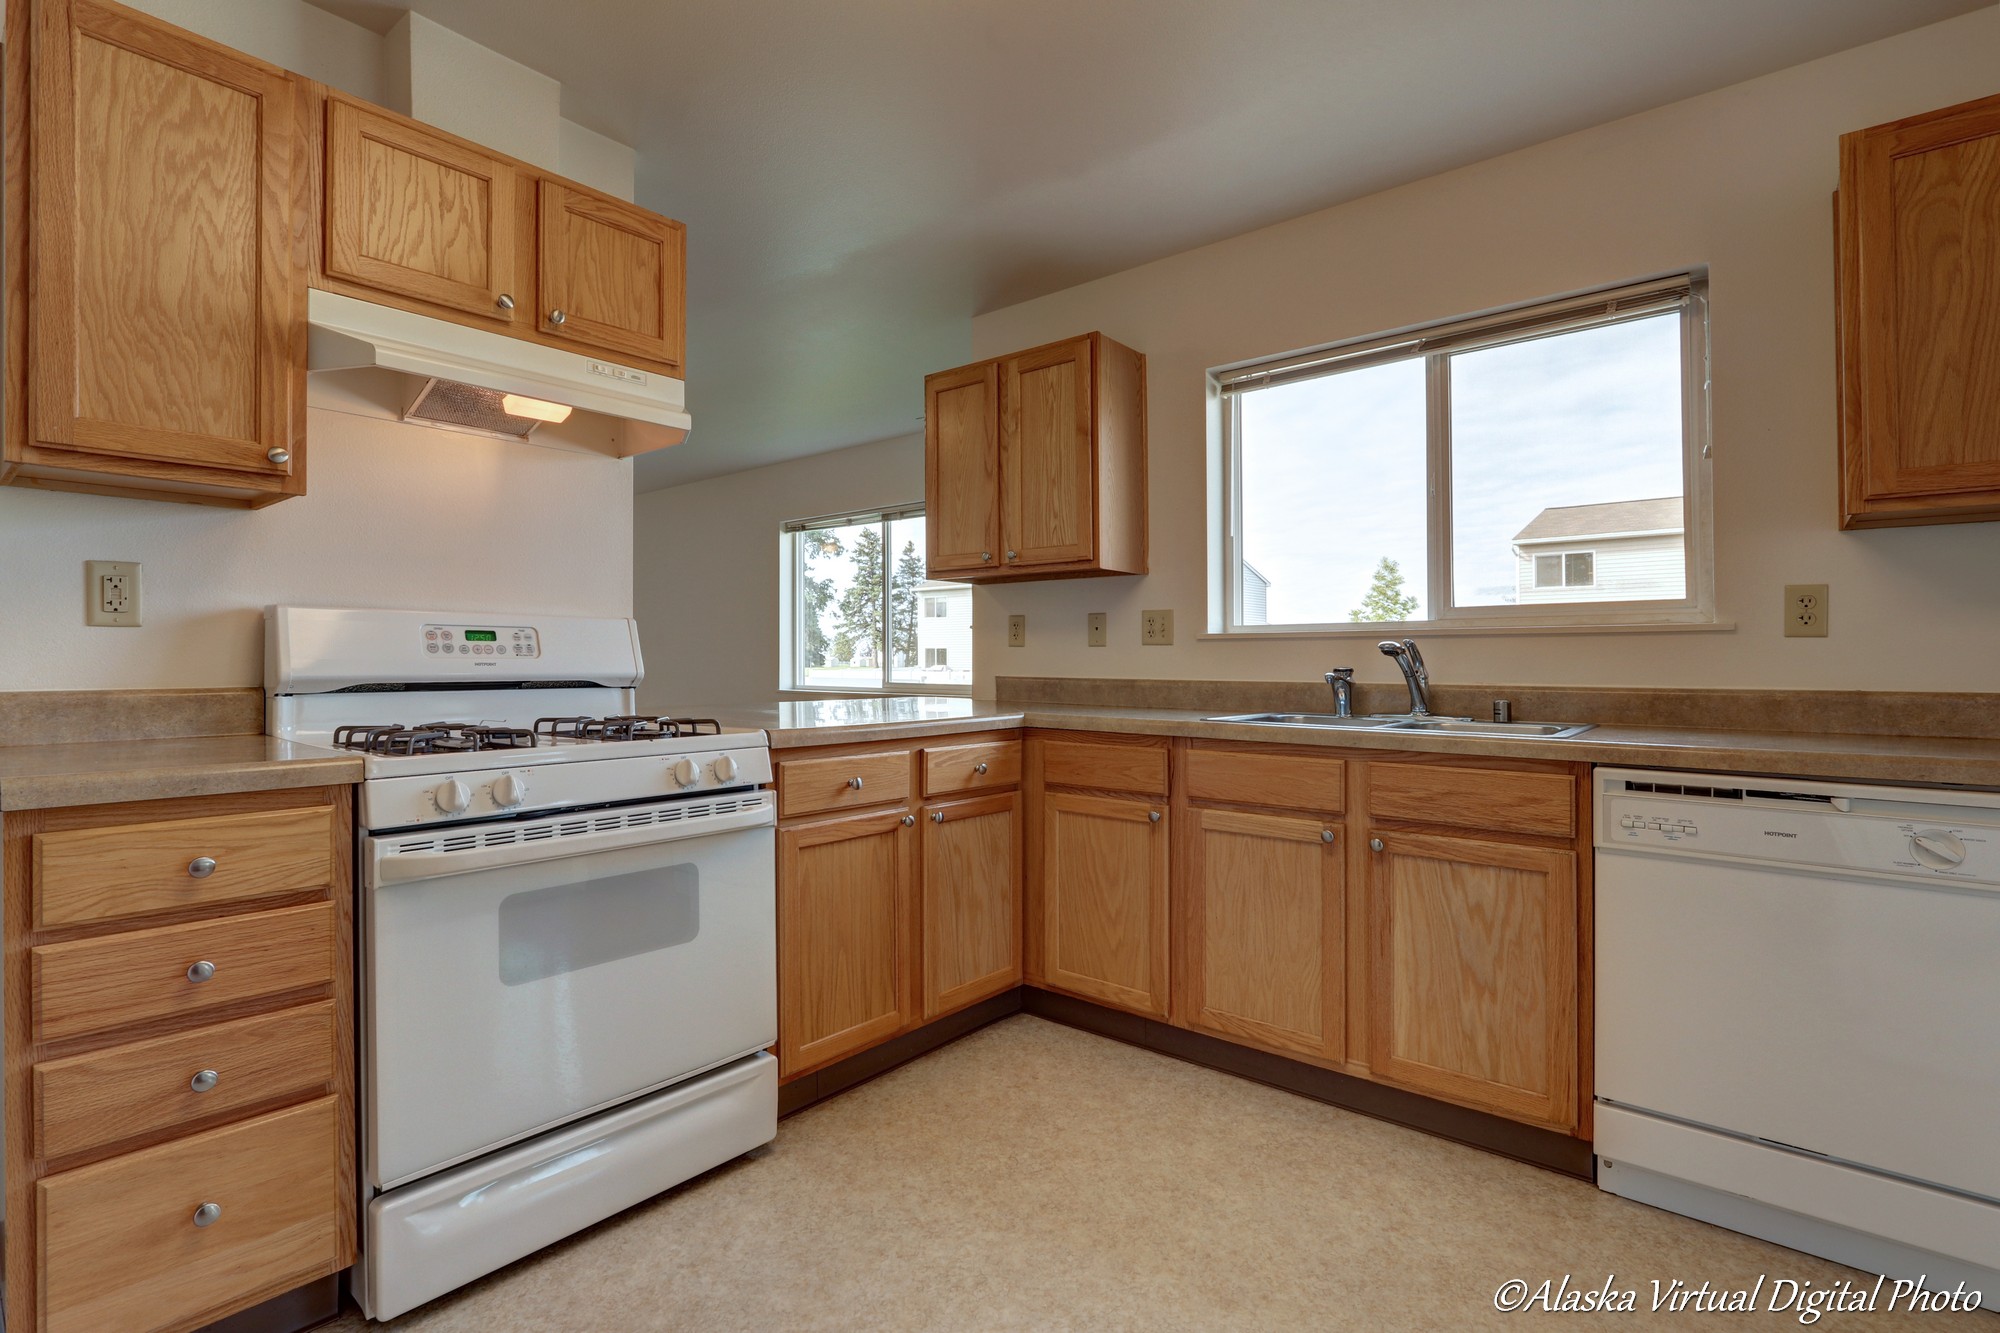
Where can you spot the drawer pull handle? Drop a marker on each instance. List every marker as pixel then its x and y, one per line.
pixel 201 971
pixel 205 1215
pixel 1374 844
pixel 1326 835
pixel 1153 815
pixel 854 783
pixel 909 821
pixel 980 769
pixel 201 867
pixel 205 1081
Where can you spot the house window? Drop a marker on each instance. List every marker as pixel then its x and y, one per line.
pixel 1545 466
pixel 860 614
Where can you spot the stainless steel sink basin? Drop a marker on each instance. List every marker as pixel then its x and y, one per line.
pixel 1328 720
pixel 1438 726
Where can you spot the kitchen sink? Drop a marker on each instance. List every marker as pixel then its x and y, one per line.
pixel 1328 720
pixel 1443 726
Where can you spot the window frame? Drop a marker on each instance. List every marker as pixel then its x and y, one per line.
pixel 1436 344
pixel 791 615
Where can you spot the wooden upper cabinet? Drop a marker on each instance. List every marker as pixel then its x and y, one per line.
pixel 1919 318
pixel 611 274
pixel 164 340
pixel 1036 464
pixel 420 214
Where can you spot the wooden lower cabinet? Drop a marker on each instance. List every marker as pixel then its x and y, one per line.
pixel 847 974
pixel 1104 899
pixel 971 900
pixel 1473 995
pixel 1262 929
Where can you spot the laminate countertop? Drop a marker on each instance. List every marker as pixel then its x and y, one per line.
pixel 39 777
pixel 1927 760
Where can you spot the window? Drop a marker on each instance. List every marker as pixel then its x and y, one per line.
pixel 861 615
pixel 1546 466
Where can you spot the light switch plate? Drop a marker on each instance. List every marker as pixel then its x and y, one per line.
pixel 1017 631
pixel 1805 610
pixel 1100 633
pixel 1156 627
pixel 111 593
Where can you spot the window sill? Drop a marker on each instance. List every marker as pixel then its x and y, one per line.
pixel 795 694
pixel 1442 629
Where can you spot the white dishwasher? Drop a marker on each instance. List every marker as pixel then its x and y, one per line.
pixel 1798 1014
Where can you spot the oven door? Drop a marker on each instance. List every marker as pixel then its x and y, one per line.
pixel 519 975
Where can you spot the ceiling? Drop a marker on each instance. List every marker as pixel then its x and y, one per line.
pixel 860 178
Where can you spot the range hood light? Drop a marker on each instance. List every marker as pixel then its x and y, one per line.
pixel 538 409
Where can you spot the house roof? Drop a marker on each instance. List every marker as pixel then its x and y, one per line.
pixel 1562 522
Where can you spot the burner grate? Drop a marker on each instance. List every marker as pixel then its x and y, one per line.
pixel 625 727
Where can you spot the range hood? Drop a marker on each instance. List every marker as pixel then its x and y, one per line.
pixel 446 374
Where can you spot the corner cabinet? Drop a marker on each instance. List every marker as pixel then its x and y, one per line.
pixel 160 347
pixel 1035 464
pixel 1918 220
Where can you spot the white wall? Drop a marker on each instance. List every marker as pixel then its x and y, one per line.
pixel 1739 180
pixel 505 526
pixel 708 566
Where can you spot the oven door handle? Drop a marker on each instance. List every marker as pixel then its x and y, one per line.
pixel 386 866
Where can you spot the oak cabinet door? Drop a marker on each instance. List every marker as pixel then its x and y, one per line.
pixel 962 469
pixel 972 900
pixel 164 319
pixel 1104 900
pixel 613 276
pixel 1265 931
pixel 1047 486
pixel 419 215
pixel 1472 996
pixel 846 975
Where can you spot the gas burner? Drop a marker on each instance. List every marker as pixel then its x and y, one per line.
pixel 392 738
pixel 692 726
pixel 629 727
pixel 562 728
pixel 469 737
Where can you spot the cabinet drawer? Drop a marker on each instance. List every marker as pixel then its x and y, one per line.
pixel 88 1101
pixel 84 986
pixel 950 768
pixel 1133 768
pixel 1507 801
pixel 1247 777
pixel 103 874
pixel 847 782
pixel 119 1244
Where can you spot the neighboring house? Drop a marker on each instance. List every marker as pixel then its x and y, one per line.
pixel 1256 596
pixel 944 632
pixel 1624 551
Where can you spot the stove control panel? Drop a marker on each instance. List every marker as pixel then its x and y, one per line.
pixel 517 641
pixel 442 798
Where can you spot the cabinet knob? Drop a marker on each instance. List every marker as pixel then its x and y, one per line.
pixel 1374 844
pixel 909 821
pixel 205 1215
pixel 278 454
pixel 854 783
pixel 1153 815
pixel 201 971
pixel 937 816
pixel 986 555
pixel 980 769
pixel 201 867
pixel 205 1081
pixel 1013 555
pixel 504 301
pixel 1326 835
pixel 557 317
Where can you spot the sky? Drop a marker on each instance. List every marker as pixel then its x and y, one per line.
pixel 1334 469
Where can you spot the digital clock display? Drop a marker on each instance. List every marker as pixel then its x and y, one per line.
pixel 482 636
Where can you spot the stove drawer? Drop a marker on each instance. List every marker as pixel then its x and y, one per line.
pixel 91 1101
pixel 973 767
pixel 843 782
pixel 122 1244
pixel 105 874
pixel 85 986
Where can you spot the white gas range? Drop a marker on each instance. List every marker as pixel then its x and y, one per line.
pixel 568 930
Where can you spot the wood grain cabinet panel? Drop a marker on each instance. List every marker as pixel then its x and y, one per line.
pixel 1141 769
pixel 962 469
pixel 1497 800
pixel 419 214
pixel 847 974
pixel 612 275
pixel 1045 457
pixel 972 900
pixel 1104 900
pixel 1267 778
pixel 842 782
pixel 1263 929
pixel 977 766
pixel 120 1247
pixel 105 874
pixel 1919 328
pixel 1473 992
pixel 164 340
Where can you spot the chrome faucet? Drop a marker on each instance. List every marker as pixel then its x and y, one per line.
pixel 1406 656
pixel 1342 680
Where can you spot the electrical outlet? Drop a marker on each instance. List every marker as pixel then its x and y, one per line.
pixel 1805 610
pixel 1100 634
pixel 1156 627
pixel 111 592
pixel 1017 631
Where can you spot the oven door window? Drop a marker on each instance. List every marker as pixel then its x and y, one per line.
pixel 547 932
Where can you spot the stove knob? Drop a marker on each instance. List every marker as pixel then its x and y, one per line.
pixel 686 772
pixel 509 789
pixel 725 768
pixel 1938 849
pixel 452 796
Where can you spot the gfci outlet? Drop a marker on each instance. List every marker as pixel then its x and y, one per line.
pixel 111 592
pixel 1100 633
pixel 1805 610
pixel 1156 627
pixel 1017 631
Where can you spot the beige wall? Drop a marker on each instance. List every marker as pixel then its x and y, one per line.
pixel 1739 180
pixel 708 567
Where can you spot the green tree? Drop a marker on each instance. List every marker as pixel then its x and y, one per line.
pixel 856 642
pixel 819 544
pixel 1386 599
pixel 903 605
